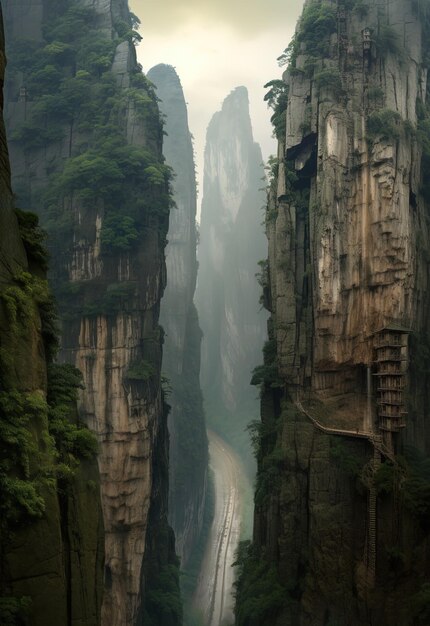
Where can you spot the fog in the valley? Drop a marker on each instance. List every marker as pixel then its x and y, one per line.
pixel 216 46
pixel 214 313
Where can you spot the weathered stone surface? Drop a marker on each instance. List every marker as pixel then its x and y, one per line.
pixel 58 561
pixel 127 415
pixel 347 257
pixel 12 251
pixel 362 231
pixel 181 352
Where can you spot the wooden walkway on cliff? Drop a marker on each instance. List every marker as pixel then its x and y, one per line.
pixel 373 438
pixel 378 449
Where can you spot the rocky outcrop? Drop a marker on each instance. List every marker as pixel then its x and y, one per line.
pixel 85 141
pixel 181 351
pixel 51 529
pixel 340 442
pixel 231 245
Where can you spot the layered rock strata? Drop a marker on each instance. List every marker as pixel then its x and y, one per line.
pixel 181 352
pixel 346 365
pixel 85 141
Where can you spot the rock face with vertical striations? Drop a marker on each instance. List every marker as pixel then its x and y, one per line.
pixel 51 529
pixel 181 352
pixel 231 245
pixel 344 442
pixel 85 141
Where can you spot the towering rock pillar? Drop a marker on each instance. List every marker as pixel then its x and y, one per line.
pixel 181 352
pixel 86 146
pixel 344 433
pixel 231 245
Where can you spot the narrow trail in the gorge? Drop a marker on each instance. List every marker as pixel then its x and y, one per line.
pixel 214 594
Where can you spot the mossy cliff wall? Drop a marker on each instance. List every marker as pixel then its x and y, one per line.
pixel 85 140
pixel 181 354
pixel 341 504
pixel 51 530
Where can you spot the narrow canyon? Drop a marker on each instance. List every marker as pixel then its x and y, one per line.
pixel 214 403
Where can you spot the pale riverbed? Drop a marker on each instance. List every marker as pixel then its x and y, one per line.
pixel 214 594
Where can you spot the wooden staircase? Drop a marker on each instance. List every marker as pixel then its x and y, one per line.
pixel 370 551
pixel 380 449
pixel 379 445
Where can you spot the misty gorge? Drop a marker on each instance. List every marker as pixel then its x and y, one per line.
pixel 214 313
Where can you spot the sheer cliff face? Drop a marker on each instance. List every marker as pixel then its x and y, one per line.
pixel 85 143
pixel 181 352
pixel 51 532
pixel 347 227
pixel 231 244
pixel 11 245
pixel 360 265
pixel 347 286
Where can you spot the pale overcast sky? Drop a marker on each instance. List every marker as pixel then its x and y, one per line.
pixel 216 45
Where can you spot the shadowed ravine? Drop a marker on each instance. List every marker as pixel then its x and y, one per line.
pixel 213 597
pixel 133 316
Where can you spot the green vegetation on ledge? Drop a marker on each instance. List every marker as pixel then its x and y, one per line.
pixel 259 594
pixel 69 83
pixel 317 23
pixel 41 440
pixel 28 464
pixel 410 479
pixel 277 99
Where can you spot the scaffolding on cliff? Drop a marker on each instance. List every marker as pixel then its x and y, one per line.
pixel 390 347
